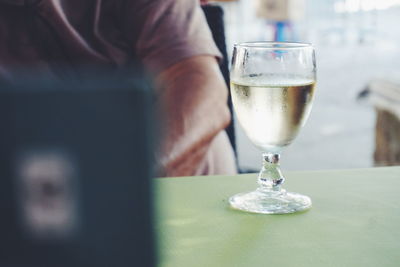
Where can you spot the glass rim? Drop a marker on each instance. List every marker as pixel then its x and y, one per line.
pixel 273 45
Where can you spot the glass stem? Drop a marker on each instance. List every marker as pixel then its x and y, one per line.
pixel 270 177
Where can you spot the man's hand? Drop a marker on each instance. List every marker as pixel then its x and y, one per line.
pixel 192 100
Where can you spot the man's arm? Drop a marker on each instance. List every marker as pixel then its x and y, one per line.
pixel 192 100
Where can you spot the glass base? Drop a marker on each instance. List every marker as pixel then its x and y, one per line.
pixel 270 202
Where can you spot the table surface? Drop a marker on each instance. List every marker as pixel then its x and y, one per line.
pixel 354 221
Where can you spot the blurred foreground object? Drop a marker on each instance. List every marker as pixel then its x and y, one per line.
pixel 75 187
pixel 384 94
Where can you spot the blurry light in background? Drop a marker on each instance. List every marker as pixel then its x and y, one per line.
pixel 351 6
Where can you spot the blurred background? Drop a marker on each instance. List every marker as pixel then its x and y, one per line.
pixel 356 41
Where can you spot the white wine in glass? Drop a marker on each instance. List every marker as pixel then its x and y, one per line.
pixel 272 88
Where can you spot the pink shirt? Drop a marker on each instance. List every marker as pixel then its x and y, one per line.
pixel 46 33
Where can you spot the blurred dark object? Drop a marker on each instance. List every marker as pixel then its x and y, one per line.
pixel 384 95
pixel 76 169
pixel 215 19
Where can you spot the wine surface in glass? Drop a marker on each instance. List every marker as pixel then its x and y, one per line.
pixel 272 109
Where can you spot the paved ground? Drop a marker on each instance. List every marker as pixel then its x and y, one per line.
pixel 340 130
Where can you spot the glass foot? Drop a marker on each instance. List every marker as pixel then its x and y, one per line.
pixel 270 202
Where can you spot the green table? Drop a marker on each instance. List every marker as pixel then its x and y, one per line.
pixel 354 221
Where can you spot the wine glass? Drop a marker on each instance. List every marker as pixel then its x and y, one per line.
pixel 272 88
